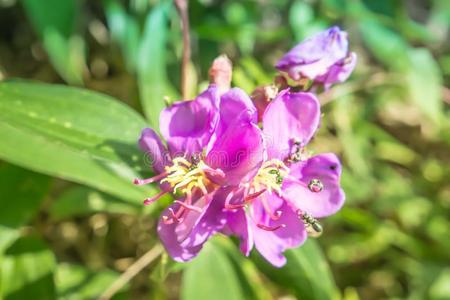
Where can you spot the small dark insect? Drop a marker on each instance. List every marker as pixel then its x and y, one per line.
pixel 315 185
pixel 196 158
pixel 312 226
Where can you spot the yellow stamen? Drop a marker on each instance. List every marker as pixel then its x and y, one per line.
pixel 186 176
pixel 270 176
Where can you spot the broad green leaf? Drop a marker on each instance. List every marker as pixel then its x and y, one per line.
pixel 211 274
pixel 255 70
pixel 301 14
pixel 152 75
pixel 75 282
pixel 55 22
pixel 124 30
pixel 74 134
pixel 306 273
pixel 241 79
pixel 441 287
pixel 356 146
pixel 440 19
pixel 80 201
pixel 21 193
pixel 424 83
pixel 139 6
pixel 303 22
pixel 386 45
pixel 249 276
pixel 26 271
pixel 395 152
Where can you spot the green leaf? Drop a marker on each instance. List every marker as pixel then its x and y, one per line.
pixel 152 76
pixel 21 193
pixel 124 30
pixel 306 273
pixel 386 45
pixel 26 271
pixel 56 28
pixel 241 79
pixel 424 83
pixel 76 282
pixel 80 201
pixel 441 287
pixel 211 274
pixel 303 22
pixel 249 276
pixel 255 70
pixel 74 134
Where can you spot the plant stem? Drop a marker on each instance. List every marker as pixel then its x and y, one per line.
pixel 132 271
pixel 182 7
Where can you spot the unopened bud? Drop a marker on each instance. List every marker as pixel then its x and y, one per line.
pixel 220 73
pixel 261 97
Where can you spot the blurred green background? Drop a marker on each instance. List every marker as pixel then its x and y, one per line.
pixel 71 221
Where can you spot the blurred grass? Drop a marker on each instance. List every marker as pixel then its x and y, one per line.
pixel 389 123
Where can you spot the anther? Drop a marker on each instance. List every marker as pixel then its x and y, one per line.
pixel 279 179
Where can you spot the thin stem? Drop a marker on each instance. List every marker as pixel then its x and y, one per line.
pixel 132 271
pixel 345 89
pixel 182 7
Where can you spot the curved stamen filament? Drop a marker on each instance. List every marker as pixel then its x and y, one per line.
pixel 149 201
pixel 189 207
pixel 253 196
pixel 174 218
pixel 230 206
pixel 268 210
pixel 138 181
pixel 270 228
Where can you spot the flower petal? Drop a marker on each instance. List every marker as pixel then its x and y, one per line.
pixel 290 117
pixel 315 55
pixel 327 169
pixel 272 244
pixel 233 104
pixel 340 71
pixel 238 152
pixel 238 223
pixel 156 153
pixel 187 126
pixel 184 240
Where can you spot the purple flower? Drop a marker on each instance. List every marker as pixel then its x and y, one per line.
pixel 277 207
pixel 323 58
pixel 200 167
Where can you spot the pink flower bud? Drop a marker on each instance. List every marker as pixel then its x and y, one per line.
pixel 220 73
pixel 261 97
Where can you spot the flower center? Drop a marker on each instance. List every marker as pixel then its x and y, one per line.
pixel 185 176
pixel 270 176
